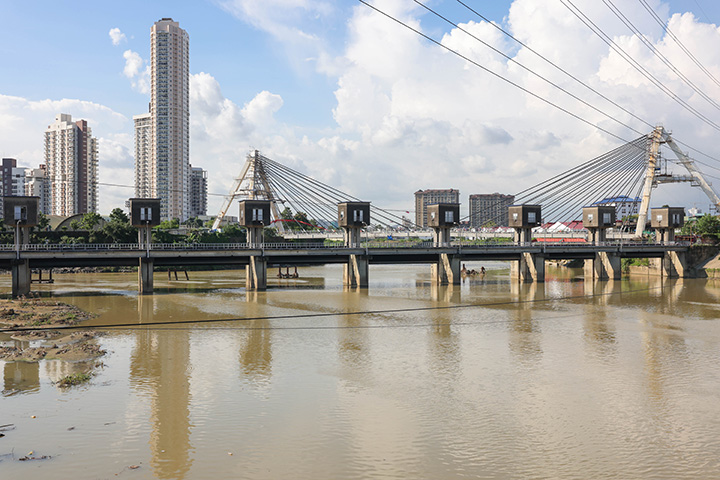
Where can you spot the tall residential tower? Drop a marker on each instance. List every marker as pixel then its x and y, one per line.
pixel 165 171
pixel 71 160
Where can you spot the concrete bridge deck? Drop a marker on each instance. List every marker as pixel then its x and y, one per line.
pixel 602 259
pixel 112 255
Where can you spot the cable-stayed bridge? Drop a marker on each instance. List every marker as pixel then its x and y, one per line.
pixel 625 175
pixel 632 169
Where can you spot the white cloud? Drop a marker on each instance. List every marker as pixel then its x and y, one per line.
pixel 299 27
pixel 133 63
pixel 260 109
pixel 139 76
pixel 116 36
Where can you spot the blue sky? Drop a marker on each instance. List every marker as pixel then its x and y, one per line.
pixel 301 80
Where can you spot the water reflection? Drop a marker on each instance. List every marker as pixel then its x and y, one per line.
pixel 524 336
pixel 663 345
pixel 566 379
pixel 354 345
pixel 21 377
pixel 159 366
pixel 448 294
pixel 255 350
pixel 599 329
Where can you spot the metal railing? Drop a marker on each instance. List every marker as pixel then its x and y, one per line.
pixel 110 247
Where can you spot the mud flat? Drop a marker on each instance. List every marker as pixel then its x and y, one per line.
pixel 34 330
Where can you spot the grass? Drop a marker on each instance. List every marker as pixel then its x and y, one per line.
pixel 74 379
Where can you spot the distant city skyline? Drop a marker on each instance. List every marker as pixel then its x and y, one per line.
pixel 351 98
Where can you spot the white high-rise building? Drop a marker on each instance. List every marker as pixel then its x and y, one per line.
pixel 143 150
pixel 166 170
pixel 71 161
pixel 36 185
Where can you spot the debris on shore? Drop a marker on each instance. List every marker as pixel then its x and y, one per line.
pixel 44 343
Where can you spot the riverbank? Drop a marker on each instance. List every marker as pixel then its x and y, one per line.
pixel 39 334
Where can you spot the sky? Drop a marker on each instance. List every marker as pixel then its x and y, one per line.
pixel 337 91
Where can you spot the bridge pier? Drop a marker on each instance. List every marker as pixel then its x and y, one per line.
pixel 529 268
pixel 446 271
pixel 145 276
pixel 604 266
pixel 20 277
pixel 672 265
pixel 256 273
pixel 355 271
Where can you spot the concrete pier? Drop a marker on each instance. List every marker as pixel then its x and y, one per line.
pixel 605 266
pixel 446 271
pixel 145 276
pixel 529 268
pixel 355 271
pixel 20 278
pixel 256 274
pixel 672 265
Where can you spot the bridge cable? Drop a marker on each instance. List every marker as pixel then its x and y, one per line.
pixel 524 45
pixel 669 32
pixel 506 80
pixel 657 53
pixel 532 72
pixel 605 38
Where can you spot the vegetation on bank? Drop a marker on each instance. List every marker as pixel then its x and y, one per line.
pixel 707 227
pixel 117 229
pixel 74 379
pixel 626 263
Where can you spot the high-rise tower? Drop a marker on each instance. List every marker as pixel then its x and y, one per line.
pixel 165 172
pixel 143 151
pixel 71 159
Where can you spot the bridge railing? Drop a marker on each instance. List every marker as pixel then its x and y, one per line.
pixel 84 247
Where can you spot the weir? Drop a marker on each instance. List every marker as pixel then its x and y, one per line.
pixel 527 260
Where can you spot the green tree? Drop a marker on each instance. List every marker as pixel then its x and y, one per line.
pixel 90 221
pixel 707 225
pixel 116 230
pixel 193 223
pixel 118 215
pixel 286 214
pixel 169 224
pixel 43 222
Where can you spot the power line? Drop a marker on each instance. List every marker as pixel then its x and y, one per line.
pixel 532 72
pixel 611 43
pixel 497 75
pixel 669 32
pixel 616 11
pixel 321 314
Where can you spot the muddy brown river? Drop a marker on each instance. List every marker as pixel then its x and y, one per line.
pixel 490 379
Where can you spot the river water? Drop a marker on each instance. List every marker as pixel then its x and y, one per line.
pixel 491 379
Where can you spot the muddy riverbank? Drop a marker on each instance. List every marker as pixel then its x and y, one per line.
pixel 35 329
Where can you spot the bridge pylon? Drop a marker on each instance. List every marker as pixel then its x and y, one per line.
pixel 251 184
pixel 654 177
